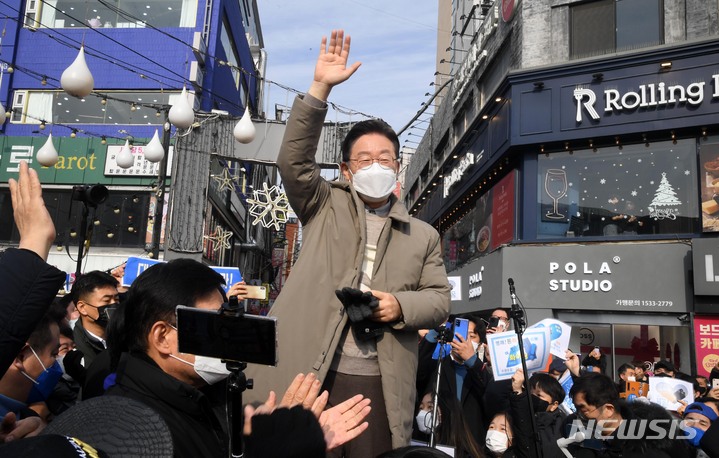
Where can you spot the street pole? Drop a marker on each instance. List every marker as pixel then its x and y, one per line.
pixel 160 194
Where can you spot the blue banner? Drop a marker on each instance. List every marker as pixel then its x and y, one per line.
pixel 135 266
pixel 230 274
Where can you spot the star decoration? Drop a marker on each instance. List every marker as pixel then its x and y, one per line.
pixel 225 180
pixel 269 207
pixel 221 238
pixel 602 181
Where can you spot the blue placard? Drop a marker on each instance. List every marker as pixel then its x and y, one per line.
pixel 134 267
pixel 231 275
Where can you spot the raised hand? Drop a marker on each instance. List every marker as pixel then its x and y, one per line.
pixel 331 68
pixel 33 221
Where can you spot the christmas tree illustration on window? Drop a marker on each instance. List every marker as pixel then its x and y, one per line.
pixel 665 204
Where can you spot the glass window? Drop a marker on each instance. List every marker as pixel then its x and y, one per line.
pixel 116 13
pixel 121 221
pixel 639 23
pixel 58 107
pixel 230 52
pixel 486 226
pixel 606 26
pixel 634 191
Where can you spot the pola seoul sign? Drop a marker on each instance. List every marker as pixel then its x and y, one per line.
pixel 644 96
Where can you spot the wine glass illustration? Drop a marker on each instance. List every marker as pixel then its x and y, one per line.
pixel 555 184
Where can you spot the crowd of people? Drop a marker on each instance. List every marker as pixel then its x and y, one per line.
pixel 480 416
pixel 364 363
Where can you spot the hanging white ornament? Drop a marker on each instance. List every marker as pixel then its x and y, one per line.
pixel 244 130
pixel 125 159
pixel 3 115
pixel 154 152
pixel 181 114
pixel 76 79
pixel 47 155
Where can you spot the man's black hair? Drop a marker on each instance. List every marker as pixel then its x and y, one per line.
pixel 154 296
pixel 664 364
pixel 598 389
pixel 370 126
pixel 479 327
pixel 89 282
pixel 549 385
pixel 41 336
pixel 624 368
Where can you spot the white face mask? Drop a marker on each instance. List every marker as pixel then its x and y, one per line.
pixel 72 323
pixel 424 421
pixel 475 345
pixel 496 441
pixel 211 370
pixel 375 183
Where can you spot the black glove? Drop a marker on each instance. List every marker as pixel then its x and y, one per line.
pixel 358 304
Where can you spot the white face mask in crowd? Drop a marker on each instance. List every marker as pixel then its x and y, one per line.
pixel 424 421
pixel 497 441
pixel 72 323
pixel 375 183
pixel 211 370
pixel 475 346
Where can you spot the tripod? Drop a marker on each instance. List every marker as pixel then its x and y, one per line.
pixel 444 336
pixel 517 316
pixel 237 383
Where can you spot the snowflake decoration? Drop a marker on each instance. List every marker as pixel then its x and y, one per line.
pixel 225 180
pixel 634 193
pixel 687 172
pixel 602 181
pixel 269 207
pixel 221 238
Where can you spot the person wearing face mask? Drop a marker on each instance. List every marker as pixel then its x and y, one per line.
pixel 356 234
pixel 605 415
pixel 499 440
pixel 452 431
pixel 148 366
pixel 95 295
pixel 463 377
pixel 34 372
pixel 546 396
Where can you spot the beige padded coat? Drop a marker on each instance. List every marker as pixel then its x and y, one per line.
pixel 310 317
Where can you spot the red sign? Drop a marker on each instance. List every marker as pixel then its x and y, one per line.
pixel 508 10
pixel 503 211
pixel 706 343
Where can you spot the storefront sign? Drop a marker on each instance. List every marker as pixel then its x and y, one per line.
pixel 141 167
pixel 475 284
pixel 706 343
pixel 476 54
pixel 503 204
pixel 508 8
pixel 705 260
pixel 644 96
pixel 80 160
pixel 611 277
pixel 458 172
pixel 624 277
